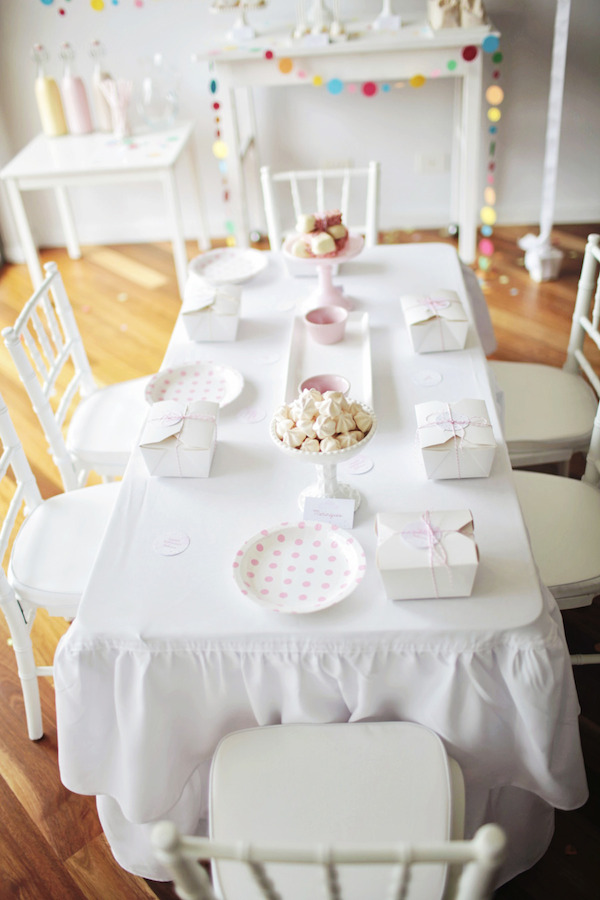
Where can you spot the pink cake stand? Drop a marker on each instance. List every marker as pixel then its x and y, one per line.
pixel 326 293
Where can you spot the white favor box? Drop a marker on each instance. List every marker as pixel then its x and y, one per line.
pixel 456 439
pixel 210 313
pixel 426 554
pixel 435 322
pixel 179 439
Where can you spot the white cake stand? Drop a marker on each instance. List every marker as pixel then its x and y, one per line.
pixel 326 465
pixel 326 293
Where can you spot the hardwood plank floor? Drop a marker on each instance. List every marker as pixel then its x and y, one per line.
pixel 126 302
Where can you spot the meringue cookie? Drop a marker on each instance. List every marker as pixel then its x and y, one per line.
pixel 357 434
pixel 325 426
pixel 293 438
pixel 311 445
pixel 345 422
pixel 330 405
pixel 339 397
pixel 330 443
pixel 307 404
pixel 282 425
pixel 346 440
pixel 363 420
pixel 306 424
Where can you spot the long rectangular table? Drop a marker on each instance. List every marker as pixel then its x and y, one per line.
pixel 167 655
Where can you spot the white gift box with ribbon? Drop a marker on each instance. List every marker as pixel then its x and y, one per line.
pixel 179 439
pixel 209 312
pixel 456 439
pixel 435 322
pixel 426 554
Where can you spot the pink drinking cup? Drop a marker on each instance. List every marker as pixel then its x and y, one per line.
pixel 325 383
pixel 326 324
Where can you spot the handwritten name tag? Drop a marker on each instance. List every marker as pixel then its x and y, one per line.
pixel 327 509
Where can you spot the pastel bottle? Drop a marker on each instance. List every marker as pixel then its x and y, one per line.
pixel 101 106
pixel 75 102
pixel 48 97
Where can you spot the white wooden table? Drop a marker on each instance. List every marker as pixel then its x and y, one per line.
pixel 366 56
pixel 96 159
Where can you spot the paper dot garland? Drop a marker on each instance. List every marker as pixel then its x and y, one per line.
pixel 220 151
pixel 494 96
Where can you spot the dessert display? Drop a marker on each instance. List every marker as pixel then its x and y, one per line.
pixel 320 235
pixel 322 423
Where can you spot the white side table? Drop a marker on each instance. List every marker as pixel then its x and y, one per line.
pixel 96 159
pixel 368 55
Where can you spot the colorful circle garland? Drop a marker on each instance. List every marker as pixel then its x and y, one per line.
pixel 335 86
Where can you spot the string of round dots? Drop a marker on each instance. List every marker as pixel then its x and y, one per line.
pixel 220 151
pixel 494 96
pixel 96 5
pixel 336 86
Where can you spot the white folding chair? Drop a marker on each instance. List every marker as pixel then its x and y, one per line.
pixel 101 424
pixel 48 547
pixel 548 412
pixel 316 190
pixel 339 810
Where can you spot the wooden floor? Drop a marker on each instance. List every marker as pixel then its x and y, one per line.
pixel 125 301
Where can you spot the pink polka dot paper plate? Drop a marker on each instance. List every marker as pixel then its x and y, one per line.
pixel 229 265
pixel 196 381
pixel 299 567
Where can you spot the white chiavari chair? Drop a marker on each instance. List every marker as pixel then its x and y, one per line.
pixel 347 810
pixel 48 548
pixel 88 428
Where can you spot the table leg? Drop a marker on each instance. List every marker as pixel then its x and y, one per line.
pixel 68 222
pixel 177 238
pixel 469 164
pixel 24 231
pixel 203 232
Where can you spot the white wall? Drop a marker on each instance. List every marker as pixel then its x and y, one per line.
pixel 348 127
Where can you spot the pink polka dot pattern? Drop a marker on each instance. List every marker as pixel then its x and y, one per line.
pixel 196 381
pixel 264 571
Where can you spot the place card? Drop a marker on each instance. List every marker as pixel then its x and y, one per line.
pixel 332 510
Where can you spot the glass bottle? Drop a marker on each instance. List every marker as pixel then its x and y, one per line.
pixel 75 102
pixel 48 96
pixel 101 104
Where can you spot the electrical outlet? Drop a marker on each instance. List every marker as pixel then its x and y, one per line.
pixel 431 163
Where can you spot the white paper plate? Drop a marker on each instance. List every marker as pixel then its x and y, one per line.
pixel 196 381
pixel 229 265
pixel 299 567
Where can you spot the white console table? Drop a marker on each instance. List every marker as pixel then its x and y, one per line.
pixel 96 159
pixel 367 55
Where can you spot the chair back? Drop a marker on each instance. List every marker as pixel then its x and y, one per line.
pixel 585 324
pixel 19 491
pixel 185 857
pixel 46 347
pixel 317 190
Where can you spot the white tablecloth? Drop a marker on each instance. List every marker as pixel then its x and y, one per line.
pixel 166 655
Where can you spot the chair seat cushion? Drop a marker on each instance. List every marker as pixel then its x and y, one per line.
pixel 563 519
pixel 375 782
pixel 56 547
pixel 106 425
pixel 544 404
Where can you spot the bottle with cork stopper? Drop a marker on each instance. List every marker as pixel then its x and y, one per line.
pixel 48 96
pixel 75 102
